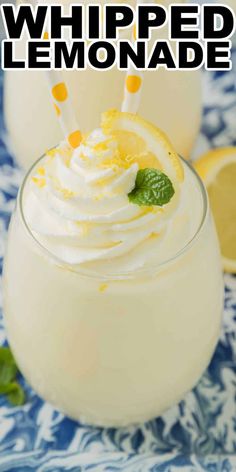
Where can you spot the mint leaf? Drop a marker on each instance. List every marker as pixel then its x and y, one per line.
pixel 8 388
pixel 8 371
pixel 17 395
pixel 8 367
pixel 152 187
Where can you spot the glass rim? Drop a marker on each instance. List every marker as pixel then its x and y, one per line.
pixel 121 275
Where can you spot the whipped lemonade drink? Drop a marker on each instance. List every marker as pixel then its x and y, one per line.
pixel 113 287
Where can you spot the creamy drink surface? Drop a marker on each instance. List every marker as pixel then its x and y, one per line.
pixel 116 307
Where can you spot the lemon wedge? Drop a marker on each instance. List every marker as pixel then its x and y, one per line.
pixel 217 168
pixel 140 141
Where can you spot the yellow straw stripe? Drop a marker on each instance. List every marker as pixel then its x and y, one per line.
pixel 75 139
pixel 59 92
pixel 133 83
pixel 57 109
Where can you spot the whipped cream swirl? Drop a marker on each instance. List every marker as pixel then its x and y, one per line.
pixel 77 206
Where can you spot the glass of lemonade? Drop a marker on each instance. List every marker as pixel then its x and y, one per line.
pixel 113 310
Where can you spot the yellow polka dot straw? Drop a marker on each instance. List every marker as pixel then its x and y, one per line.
pixel 132 93
pixel 133 82
pixel 63 106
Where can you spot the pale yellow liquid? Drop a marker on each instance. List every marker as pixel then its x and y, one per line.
pixel 112 352
pixel 170 99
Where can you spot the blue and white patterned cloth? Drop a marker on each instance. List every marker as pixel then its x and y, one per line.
pixel 199 434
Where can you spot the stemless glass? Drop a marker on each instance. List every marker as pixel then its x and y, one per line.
pixel 112 350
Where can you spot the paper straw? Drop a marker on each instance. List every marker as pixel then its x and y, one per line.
pixel 63 106
pixel 133 88
pixel 133 81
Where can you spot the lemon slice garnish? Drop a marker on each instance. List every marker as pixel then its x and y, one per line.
pixel 140 141
pixel 217 168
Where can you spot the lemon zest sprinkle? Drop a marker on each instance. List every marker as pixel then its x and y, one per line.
pixel 103 287
pixel 39 182
pixel 51 152
pixel 102 146
pixel 153 235
pixel 41 171
pixel 67 194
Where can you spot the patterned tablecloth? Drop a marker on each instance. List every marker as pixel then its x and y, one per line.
pixel 199 434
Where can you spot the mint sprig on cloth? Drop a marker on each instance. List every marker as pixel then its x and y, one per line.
pixel 8 383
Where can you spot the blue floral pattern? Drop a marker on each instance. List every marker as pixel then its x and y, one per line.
pixel 198 434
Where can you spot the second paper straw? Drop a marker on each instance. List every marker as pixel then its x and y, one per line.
pixel 133 81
